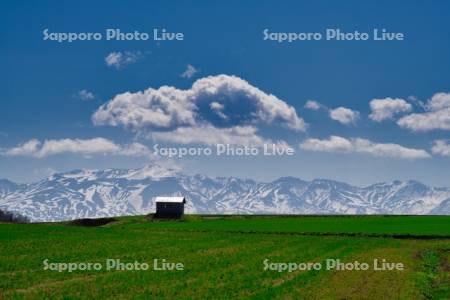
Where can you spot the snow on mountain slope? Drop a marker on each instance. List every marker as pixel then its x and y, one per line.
pixel 112 192
pixel 7 187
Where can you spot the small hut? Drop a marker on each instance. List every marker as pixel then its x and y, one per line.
pixel 169 207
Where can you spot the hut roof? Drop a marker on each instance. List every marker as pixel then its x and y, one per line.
pixel 170 199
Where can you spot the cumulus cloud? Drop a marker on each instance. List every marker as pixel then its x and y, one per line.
pixel 427 121
pixel 357 145
pixel 441 147
pixel 387 108
pixel 171 107
pixel 77 146
pixel 439 101
pixel 436 115
pixel 136 150
pixel 312 105
pixel 167 111
pixel 333 144
pixel 119 60
pixel 162 108
pixel 344 115
pixel 210 135
pixel 86 95
pixel 216 106
pixel 86 147
pixel 28 148
pixel 218 109
pixel 189 72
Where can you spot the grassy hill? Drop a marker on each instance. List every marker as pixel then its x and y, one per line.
pixel 224 256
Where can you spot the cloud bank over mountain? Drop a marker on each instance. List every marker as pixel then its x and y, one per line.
pixel 86 147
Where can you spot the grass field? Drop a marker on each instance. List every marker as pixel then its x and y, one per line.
pixel 223 258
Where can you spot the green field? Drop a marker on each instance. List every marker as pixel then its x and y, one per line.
pixel 223 258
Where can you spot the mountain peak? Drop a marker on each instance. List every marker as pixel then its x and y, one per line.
pixel 289 179
pixel 154 171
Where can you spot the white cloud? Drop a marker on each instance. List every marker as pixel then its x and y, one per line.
pixel 389 150
pixel 344 115
pixel 341 114
pixel 436 116
pixel 87 147
pixel 77 146
pixel 441 147
pixel 26 149
pixel 218 109
pixel 427 121
pixel 169 108
pixel 216 106
pixel 86 95
pixel 119 60
pixel 162 108
pixel 189 72
pixel 113 58
pixel 387 108
pixel 358 145
pixel 313 105
pixel 439 101
pixel 210 135
pixel 136 150
pixel 333 144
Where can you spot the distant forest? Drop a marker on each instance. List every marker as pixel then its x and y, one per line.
pixel 12 217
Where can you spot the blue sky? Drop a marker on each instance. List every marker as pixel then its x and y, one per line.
pixel 51 90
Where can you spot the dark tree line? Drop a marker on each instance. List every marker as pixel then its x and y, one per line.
pixel 11 217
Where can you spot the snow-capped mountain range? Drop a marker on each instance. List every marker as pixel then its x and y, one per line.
pixel 114 192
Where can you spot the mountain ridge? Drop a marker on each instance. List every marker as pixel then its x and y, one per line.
pixel 110 192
